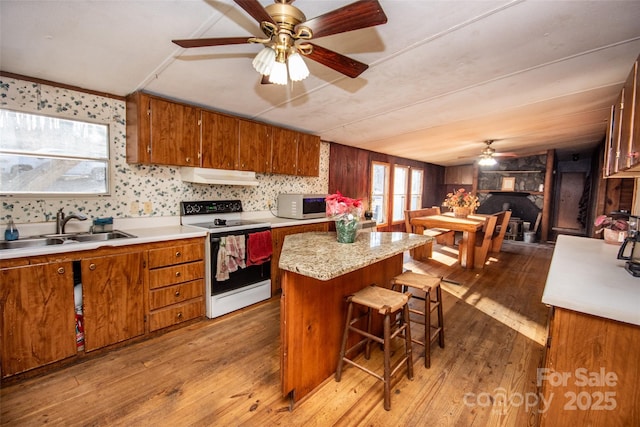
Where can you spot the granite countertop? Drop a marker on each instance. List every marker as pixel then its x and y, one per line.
pixel 320 256
pixel 585 276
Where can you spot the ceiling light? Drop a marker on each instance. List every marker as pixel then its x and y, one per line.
pixel 487 161
pixel 264 60
pixel 297 68
pixel 278 73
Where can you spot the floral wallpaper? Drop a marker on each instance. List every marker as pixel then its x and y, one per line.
pixel 136 190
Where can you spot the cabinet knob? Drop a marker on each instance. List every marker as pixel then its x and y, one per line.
pixel 177 293
pixel 179 315
pixel 178 274
pixel 60 270
pixel 92 266
pixel 178 254
pixel 188 159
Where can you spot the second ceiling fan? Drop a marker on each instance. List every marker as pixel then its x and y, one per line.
pixel 288 32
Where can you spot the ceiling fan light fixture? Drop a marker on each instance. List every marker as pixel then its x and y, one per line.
pixel 297 68
pixel 278 74
pixel 487 161
pixel 264 60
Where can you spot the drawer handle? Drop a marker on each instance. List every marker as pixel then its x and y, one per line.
pixel 178 254
pixel 92 266
pixel 60 270
pixel 179 316
pixel 177 293
pixel 178 274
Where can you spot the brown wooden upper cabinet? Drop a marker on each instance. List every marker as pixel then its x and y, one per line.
pixel 219 140
pixel 169 133
pixel 255 147
pixel 459 175
pixel 295 153
pixel 622 150
pixel 161 132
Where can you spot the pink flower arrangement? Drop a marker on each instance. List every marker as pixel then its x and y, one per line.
pixel 461 199
pixel 604 221
pixel 340 207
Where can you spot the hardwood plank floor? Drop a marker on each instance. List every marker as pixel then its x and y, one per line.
pixel 226 371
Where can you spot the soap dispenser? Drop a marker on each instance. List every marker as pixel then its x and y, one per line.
pixel 11 233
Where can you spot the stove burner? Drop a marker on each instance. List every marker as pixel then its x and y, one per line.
pixel 219 221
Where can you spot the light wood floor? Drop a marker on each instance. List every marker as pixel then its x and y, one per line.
pixel 225 372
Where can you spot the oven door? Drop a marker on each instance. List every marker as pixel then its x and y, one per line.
pixel 241 277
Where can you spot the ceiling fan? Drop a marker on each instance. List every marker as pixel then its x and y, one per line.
pixel 488 154
pixel 288 32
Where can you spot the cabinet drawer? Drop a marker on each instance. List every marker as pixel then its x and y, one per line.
pixel 176 274
pixel 175 314
pixel 176 255
pixel 174 294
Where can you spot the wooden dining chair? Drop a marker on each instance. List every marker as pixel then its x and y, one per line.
pixel 483 241
pixel 501 228
pixel 443 236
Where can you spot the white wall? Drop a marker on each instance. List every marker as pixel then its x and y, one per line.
pixel 131 185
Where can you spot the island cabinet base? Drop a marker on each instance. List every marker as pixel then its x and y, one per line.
pixel 592 373
pixel 312 321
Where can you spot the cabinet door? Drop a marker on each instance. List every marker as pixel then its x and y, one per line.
pixel 174 134
pixel 219 141
pixel 38 316
pixel 626 131
pixel 255 147
pixel 461 175
pixel 609 148
pixel 285 151
pixel 308 155
pixel 618 146
pixel 113 298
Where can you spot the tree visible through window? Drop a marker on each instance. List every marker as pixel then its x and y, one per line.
pixel 49 155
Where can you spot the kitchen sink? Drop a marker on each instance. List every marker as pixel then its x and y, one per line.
pixel 30 242
pixel 60 239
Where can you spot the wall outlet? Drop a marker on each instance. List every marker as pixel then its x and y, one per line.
pixel 148 207
pixel 134 208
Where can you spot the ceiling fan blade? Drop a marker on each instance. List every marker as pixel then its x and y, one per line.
pixel 211 42
pixel 255 9
pixel 361 14
pixel 343 64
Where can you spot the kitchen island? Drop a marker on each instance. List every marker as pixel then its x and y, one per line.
pixel 591 374
pixel 319 273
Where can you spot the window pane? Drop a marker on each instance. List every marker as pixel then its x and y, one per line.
pixel 416 189
pixel 49 155
pixel 400 185
pixel 379 187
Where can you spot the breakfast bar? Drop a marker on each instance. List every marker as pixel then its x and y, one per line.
pixel 319 273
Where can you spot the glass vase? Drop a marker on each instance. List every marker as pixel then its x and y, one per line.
pixel 346 230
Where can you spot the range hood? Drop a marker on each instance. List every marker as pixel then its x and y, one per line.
pixel 218 176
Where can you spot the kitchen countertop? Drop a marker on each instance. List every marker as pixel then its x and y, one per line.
pixel 319 255
pixel 585 276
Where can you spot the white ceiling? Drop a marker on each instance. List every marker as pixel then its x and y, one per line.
pixel 443 77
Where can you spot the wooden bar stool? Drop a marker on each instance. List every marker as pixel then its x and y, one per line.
pixel 427 284
pixel 387 303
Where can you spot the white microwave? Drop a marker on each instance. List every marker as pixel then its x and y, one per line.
pixel 302 206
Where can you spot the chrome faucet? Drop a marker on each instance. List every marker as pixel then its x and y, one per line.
pixel 62 219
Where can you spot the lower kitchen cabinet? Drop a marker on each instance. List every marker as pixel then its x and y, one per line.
pixel 176 284
pixel 591 374
pixel 277 238
pixel 128 292
pixel 37 315
pixel 113 298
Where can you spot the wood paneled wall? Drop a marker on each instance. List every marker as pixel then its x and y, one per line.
pixel 349 173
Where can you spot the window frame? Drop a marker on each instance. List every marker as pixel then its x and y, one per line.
pixel 61 157
pixel 421 191
pixel 384 195
pixel 406 193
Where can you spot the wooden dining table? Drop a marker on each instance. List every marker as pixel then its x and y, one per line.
pixel 469 226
